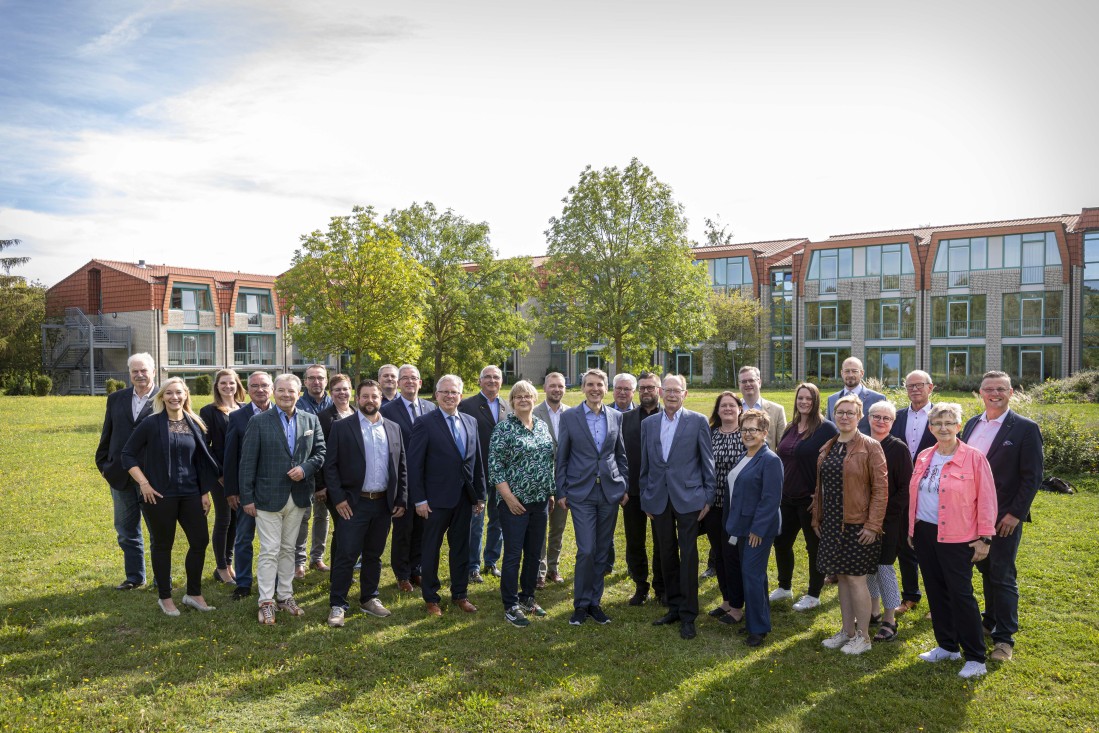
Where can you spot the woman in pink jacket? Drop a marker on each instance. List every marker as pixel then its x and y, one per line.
pixel 952 517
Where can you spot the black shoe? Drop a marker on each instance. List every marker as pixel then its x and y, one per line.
pixel 669 618
pixel 597 615
pixel 687 630
pixel 718 612
pixel 242 591
pixel 662 599
pixel 709 573
pixel 578 617
pixel 475 576
pixel 492 570
pixel 640 596
pixel 755 639
pixel 128 585
pixel 728 619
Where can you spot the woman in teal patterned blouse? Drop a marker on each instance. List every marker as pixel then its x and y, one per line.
pixel 520 465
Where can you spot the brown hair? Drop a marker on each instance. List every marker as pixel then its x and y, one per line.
pixel 238 397
pixel 814 419
pixel 715 418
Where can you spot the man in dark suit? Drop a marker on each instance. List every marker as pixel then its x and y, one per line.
pixel 852 373
pixel 446 484
pixel 283 450
pixel 550 411
pixel 389 379
pixel 259 391
pixel 677 489
pixel 365 472
pixel 125 409
pixel 408 528
pixel 1013 446
pixel 314 399
pixel 911 426
pixel 487 409
pixel 590 472
pixel 634 519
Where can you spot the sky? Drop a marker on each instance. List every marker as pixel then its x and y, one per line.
pixel 215 134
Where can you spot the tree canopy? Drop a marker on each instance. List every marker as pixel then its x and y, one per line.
pixel 356 288
pixel 472 316
pixel 736 337
pixel 620 274
pixel 22 310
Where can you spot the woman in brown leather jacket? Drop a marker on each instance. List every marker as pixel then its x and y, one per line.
pixel 848 510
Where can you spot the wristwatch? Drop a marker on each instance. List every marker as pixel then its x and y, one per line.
pixel 986 540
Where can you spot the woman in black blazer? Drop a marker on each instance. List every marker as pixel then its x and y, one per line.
pixel 340 389
pixel 167 456
pixel 229 396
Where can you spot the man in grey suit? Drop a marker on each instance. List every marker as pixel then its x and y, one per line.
pixel 550 410
pixel 677 490
pixel 852 384
pixel 283 450
pixel 590 472
pixel 749 380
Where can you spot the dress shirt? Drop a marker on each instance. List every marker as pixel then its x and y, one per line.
pixel 290 427
pixel 597 424
pixel 493 405
pixel 667 431
pixel 917 423
pixel 307 403
pixel 555 418
pixel 377 454
pixel 757 406
pixel 256 410
pixel 623 410
pixel 413 409
pixel 139 401
pixel 984 432
pixel 456 427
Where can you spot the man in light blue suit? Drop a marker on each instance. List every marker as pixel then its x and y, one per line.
pixel 591 481
pixel 677 490
pixel 852 384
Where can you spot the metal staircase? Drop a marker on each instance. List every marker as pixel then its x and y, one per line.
pixel 75 348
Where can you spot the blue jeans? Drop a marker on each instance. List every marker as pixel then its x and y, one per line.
pixel 127 525
pixel 524 536
pixel 1001 589
pixel 242 548
pixel 493 544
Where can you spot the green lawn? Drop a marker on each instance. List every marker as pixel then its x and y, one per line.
pixel 77 655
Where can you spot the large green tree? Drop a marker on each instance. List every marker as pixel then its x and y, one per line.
pixel 22 310
pixel 356 288
pixel 472 317
pixel 736 338
pixel 620 271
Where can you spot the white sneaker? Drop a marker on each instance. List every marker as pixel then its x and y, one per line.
pixel 938 654
pixel 857 645
pixel 973 669
pixel 806 602
pixel 335 617
pixel 837 640
pixel 779 594
pixel 375 608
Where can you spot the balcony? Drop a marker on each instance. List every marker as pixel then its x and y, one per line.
pixel 957 329
pixel 828 332
pixel 890 282
pixel 1017 327
pixel 190 358
pixel 828 285
pixel 254 358
pixel 959 279
pixel 1032 275
pixel 890 331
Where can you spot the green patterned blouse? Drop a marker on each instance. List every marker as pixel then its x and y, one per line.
pixel 523 458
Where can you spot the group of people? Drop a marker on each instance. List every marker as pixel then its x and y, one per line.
pixel 865 484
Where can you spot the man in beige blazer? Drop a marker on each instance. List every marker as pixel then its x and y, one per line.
pixel 749 389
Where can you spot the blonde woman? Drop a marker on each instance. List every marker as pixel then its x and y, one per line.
pixel 229 396
pixel 167 456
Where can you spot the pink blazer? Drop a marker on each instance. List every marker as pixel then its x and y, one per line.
pixel 967 495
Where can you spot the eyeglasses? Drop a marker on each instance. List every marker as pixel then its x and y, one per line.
pixel 995 390
pixel 845 413
pixel 917 385
pixel 881 418
pixel 315 379
pixel 674 390
pixel 450 393
pixel 941 425
pixel 751 431
pixel 647 389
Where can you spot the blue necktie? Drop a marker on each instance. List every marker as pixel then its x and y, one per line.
pixel 457 436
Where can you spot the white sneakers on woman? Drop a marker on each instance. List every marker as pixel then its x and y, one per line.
pixel 779 594
pixel 806 602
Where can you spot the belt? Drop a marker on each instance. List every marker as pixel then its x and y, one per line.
pixel 372 495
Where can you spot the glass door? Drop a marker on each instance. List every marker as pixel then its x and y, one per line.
pixel 829 322
pixel 890 320
pixel 828 365
pixel 957 363
pixel 891 368
pixel 1033 261
pixel 957 325
pixel 1030 366
pixel 1031 310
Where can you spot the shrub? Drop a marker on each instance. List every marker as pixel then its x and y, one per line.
pixel 113 385
pixel 1080 387
pixel 1070 446
pixel 204 385
pixel 19 386
pixel 43 385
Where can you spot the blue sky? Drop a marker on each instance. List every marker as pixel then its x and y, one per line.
pixel 215 134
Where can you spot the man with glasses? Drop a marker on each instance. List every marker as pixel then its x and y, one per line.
pixel 750 382
pixel 1013 446
pixel 634 518
pixel 852 373
pixel 911 427
pixel 487 409
pixel 625 384
pixel 314 400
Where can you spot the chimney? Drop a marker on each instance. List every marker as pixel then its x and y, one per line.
pixel 141 264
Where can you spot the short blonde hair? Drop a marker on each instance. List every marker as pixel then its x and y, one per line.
pixel 951 408
pixel 849 399
pixel 520 388
pixel 886 406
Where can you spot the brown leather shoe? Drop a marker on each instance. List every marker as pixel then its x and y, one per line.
pixel 416 580
pixel 1001 652
pixel 319 565
pixel 433 609
pixel 299 572
pixel 540 584
pixel 465 605
pixel 404 586
pixel 905 607
pixel 556 577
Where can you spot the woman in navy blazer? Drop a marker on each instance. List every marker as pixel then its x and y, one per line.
pixel 754 519
pixel 167 456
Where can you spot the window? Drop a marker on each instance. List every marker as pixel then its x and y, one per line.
pixel 1032 314
pixel 254 349
pixel 687 362
pixel 1031 252
pixel 782 303
pixel 1033 364
pixel 782 360
pixel 190 348
pixel 887 261
pixel 957 362
pixel 822 366
pixel 1090 305
pixel 828 321
pixel 891 319
pixel 729 272
pixel 890 364
pixel 191 299
pixel 254 303
pixel 558 357
pixel 958 316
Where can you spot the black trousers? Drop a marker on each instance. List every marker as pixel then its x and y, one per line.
pixel 797 516
pixel 910 569
pixel 636 523
pixel 161 519
pixel 365 533
pixel 225 528
pixel 407 545
pixel 454 524
pixel 947 569
pixel 726 558
pixel 678 537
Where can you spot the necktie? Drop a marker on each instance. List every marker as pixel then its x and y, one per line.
pixel 412 411
pixel 457 436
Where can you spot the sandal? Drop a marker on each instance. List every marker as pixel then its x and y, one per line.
pixel 887 632
pixel 875 619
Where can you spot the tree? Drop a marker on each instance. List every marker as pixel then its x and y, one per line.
pixel 472 317
pixel 736 338
pixel 356 288
pixel 22 311
pixel 620 271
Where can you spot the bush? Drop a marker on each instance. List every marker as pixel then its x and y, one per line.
pixel 204 385
pixel 43 385
pixel 1070 446
pixel 19 386
pixel 113 385
pixel 971 383
pixel 1080 387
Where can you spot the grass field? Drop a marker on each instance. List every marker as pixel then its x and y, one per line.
pixel 77 655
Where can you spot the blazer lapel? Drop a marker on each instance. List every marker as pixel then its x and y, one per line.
pixel 164 438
